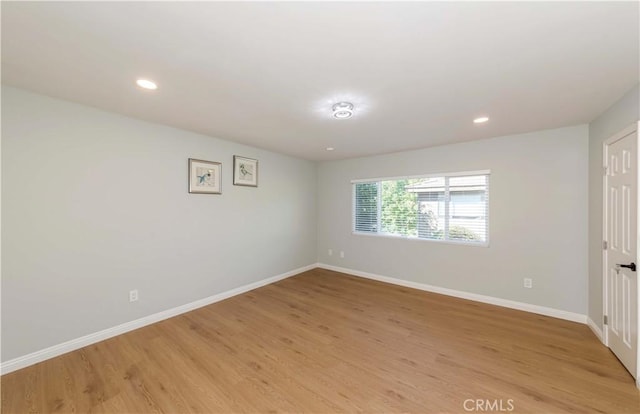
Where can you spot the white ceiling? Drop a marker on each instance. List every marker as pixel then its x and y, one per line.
pixel 266 74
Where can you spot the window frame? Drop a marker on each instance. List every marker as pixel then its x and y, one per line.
pixel 353 183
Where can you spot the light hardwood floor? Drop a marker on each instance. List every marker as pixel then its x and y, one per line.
pixel 325 342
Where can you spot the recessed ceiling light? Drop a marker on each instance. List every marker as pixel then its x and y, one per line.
pixel 481 120
pixel 330 148
pixel 146 84
pixel 342 110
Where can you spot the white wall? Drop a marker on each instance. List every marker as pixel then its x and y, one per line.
pixel 96 204
pixel 538 219
pixel 619 116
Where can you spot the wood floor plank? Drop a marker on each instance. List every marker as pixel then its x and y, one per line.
pixel 325 342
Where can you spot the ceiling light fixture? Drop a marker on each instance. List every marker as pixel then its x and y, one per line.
pixel 146 84
pixel 330 148
pixel 343 110
pixel 481 120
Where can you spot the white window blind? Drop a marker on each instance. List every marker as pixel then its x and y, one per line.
pixel 448 207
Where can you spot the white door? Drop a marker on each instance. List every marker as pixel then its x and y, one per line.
pixel 621 204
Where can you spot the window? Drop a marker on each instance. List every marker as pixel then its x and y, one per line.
pixel 447 207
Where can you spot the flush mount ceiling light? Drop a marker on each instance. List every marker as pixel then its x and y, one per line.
pixel 481 120
pixel 343 110
pixel 146 84
pixel 330 148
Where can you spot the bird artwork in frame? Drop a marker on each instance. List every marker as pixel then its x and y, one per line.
pixel 245 171
pixel 205 177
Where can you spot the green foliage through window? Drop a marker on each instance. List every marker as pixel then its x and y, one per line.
pixel 399 208
pixel 367 207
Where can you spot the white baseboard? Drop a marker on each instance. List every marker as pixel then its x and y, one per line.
pixel 527 307
pixel 72 345
pixel 596 329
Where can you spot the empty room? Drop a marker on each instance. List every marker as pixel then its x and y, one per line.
pixel 319 207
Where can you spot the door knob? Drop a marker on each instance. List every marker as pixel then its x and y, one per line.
pixel 631 266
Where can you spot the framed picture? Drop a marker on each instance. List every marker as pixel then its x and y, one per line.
pixel 245 171
pixel 205 177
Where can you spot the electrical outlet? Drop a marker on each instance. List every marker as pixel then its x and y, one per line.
pixel 133 295
pixel 341 254
pixel 330 252
pixel 528 282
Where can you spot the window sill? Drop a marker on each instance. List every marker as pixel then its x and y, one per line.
pixel 396 237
